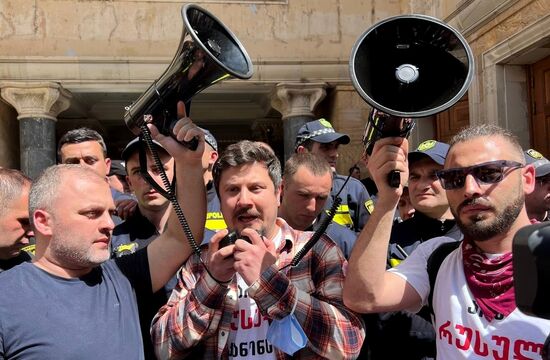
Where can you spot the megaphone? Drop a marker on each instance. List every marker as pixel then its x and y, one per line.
pixel 208 53
pixel 407 67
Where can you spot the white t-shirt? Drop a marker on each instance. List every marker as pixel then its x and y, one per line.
pixel 461 330
pixel 247 338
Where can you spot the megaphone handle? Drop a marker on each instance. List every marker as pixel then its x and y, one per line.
pixel 394 179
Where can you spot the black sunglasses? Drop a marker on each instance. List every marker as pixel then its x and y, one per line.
pixel 490 172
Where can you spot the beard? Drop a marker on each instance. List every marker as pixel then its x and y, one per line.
pixel 482 229
pixel 71 252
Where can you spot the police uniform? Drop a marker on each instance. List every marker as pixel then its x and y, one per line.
pixel 135 233
pixel 356 205
pixel 339 234
pixel 407 235
pixel 22 257
pixel 214 218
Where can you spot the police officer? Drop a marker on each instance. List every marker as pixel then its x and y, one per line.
pixel 306 185
pixel 214 217
pixel 319 137
pixel 150 217
pixel 432 218
pixel 538 202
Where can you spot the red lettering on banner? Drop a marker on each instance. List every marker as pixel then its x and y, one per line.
pixel 500 346
pixel 443 332
pixel 258 318
pixel 246 322
pixel 530 346
pixel 480 348
pixel 464 330
pixel 249 321
pixel 234 326
pixel 504 343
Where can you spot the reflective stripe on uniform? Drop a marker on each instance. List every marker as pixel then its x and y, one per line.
pixel 342 216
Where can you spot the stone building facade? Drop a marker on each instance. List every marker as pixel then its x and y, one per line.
pixel 65 64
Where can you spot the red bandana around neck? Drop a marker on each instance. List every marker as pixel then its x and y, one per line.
pixel 489 280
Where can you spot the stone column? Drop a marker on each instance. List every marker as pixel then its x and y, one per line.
pixel 296 102
pixel 37 105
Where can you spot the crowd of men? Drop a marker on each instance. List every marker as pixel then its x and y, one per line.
pixel 250 266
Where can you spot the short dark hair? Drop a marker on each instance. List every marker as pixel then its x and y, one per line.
pixel 247 152
pixel 12 183
pixel 80 135
pixel 317 164
pixel 483 130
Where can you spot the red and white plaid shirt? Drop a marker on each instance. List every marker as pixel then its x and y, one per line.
pixel 199 312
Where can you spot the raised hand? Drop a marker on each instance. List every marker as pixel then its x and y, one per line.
pixel 184 130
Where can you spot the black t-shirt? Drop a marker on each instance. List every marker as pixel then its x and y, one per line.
pixel 134 234
pixel 43 316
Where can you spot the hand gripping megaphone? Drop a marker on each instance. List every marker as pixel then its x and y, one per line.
pixel 406 67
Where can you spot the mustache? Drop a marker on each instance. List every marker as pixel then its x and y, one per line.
pixel 246 212
pixel 474 201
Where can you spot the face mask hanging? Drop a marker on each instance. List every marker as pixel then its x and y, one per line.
pixel 286 334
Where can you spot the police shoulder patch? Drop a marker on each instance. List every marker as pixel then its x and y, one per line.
pixel 125 249
pixel 369 205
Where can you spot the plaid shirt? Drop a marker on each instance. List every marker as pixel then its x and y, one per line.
pixel 199 312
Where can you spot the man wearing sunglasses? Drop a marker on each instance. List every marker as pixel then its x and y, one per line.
pixel 473 304
pixel 432 218
pixel 538 202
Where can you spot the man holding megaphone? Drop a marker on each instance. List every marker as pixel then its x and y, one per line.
pixel 470 293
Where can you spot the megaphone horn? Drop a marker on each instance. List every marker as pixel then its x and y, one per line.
pixel 208 53
pixel 411 66
pixel 407 67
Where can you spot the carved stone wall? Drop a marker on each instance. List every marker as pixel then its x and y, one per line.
pixel 121 46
